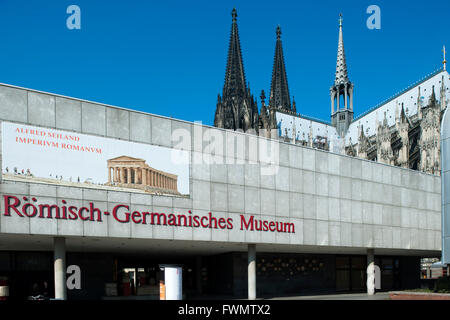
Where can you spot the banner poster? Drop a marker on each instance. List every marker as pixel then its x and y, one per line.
pixel 50 156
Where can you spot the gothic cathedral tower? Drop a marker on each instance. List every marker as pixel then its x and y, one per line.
pixel 236 108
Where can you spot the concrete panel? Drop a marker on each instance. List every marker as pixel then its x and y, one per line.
pixel 267 180
pixel 282 179
pixel 309 206
pixel 346 234
pixel 140 199
pixel 236 199
pixel 252 200
pixel 220 234
pixel 164 231
pixel 141 127
pixel 356 168
pixel 377 213
pixel 115 228
pixel 283 237
pixel 378 236
pixel 41 109
pixel 321 162
pixel 309 162
pixel 235 174
pixel 67 227
pixel 95 228
pixel 295 180
pixel 120 197
pixel 334 234
pixel 12 187
pixel 201 194
pixel 322 208
pixel 356 212
pixel 334 186
pixel 118 123
pixel 386 190
pixel 68 114
pixel 219 197
pixel 345 168
pixel 405 238
pixel 309 232
pixel 295 156
pixel 333 163
pixel 93 118
pixel 357 235
pixel 141 230
pixel 268 204
pixel 161 131
pixel 378 172
pixel 282 204
pixel 69 193
pixel 44 225
pixel 356 189
pixel 345 210
pixel 367 188
pixel 387 174
pixel 321 184
pixel 218 173
pixel 309 181
pixel 13 104
pixel 296 205
pixel 235 234
pixel 368 236
pixel 396 176
pixel 180 202
pixel 200 171
pixel 345 185
pixel 322 233
pixel 396 237
pixel 334 212
pixel 13 223
pixel 42 190
pixel 405 217
pixel 284 154
pixel 367 215
pixel 297 237
pixel 251 175
pixel 387 215
pixel 267 237
pixel 97 195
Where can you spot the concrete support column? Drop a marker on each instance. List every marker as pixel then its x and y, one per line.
pixel 370 272
pixel 59 258
pixel 251 272
pixel 198 274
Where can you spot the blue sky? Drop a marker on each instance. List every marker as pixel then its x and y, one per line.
pixel 168 57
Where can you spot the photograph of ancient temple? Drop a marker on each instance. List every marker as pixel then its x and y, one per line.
pixel 129 172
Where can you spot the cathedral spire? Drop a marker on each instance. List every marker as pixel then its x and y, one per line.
pixel 341 65
pixel 235 83
pixel 342 115
pixel 279 90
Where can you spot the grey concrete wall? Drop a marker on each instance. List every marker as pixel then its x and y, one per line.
pixel 333 200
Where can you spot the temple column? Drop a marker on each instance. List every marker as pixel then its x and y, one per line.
pixel 128 175
pixel 144 176
pixel 122 175
pixel 109 175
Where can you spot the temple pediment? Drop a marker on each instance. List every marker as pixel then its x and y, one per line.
pixel 125 158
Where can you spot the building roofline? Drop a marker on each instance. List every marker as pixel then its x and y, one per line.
pixel 415 84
